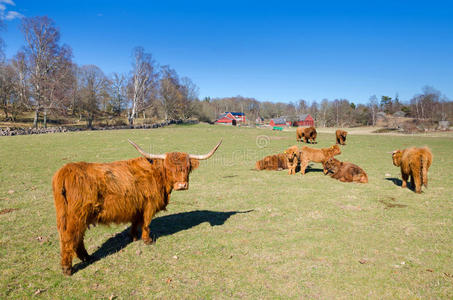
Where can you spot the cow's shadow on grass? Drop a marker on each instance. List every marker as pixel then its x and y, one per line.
pixel 396 181
pixel 160 226
pixel 311 169
pixel 399 182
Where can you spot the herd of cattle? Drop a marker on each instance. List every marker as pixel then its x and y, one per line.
pixel 135 190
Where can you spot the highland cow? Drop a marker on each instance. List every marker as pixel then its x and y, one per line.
pixel 345 171
pixel 126 191
pixel 317 155
pixel 306 134
pixel 293 158
pixel 414 162
pixel 273 162
pixel 341 136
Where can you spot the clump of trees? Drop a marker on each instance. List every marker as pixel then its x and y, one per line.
pixel 42 79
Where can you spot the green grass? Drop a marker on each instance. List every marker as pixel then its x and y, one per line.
pixel 236 232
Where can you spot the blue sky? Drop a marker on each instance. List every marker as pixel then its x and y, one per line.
pixel 270 50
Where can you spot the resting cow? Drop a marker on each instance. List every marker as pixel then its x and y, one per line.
pixel 273 162
pixel 341 136
pixel 307 134
pixel 126 191
pixel 317 155
pixel 345 171
pixel 414 162
pixel 293 158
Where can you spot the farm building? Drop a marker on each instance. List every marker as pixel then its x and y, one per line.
pixel 304 120
pixel 231 118
pixel 278 122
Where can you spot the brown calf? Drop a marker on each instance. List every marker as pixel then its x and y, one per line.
pixel 273 162
pixel 132 190
pixel 345 171
pixel 293 158
pixel 317 155
pixel 307 134
pixel 341 136
pixel 414 162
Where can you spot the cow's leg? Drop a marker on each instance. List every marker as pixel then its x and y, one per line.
pixel 136 223
pixel 303 166
pixel 147 217
pixel 68 241
pixel 81 251
pixel 306 140
pixel 404 178
pixel 417 182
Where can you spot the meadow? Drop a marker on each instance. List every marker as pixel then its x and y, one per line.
pixel 237 232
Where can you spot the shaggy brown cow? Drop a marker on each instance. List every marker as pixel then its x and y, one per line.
pixel 341 136
pixel 293 157
pixel 273 162
pixel 317 155
pixel 345 171
pixel 414 162
pixel 307 134
pixel 132 190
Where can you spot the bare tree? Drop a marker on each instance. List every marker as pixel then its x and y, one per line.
pixel 373 106
pixel 93 85
pixel 6 87
pixel 119 93
pixel 143 82
pixel 48 64
pixel 171 96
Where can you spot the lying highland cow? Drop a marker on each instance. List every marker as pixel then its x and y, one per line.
pixel 307 134
pixel 414 162
pixel 345 171
pixel 317 155
pixel 273 162
pixel 341 136
pixel 293 158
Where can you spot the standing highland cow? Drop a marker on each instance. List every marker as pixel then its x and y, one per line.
pixel 341 136
pixel 414 162
pixel 317 155
pixel 293 158
pixel 345 171
pixel 125 191
pixel 306 134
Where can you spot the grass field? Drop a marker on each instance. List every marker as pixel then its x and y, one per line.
pixel 236 232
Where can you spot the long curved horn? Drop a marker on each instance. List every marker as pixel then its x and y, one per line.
pixel 145 154
pixel 206 156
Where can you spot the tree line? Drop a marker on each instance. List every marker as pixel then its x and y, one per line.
pixel 42 79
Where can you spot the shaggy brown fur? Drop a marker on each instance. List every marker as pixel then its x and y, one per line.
pixel 307 134
pixel 293 157
pixel 414 162
pixel 118 192
pixel 341 136
pixel 345 171
pixel 317 155
pixel 273 162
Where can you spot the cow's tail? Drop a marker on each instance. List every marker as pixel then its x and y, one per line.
pixel 424 171
pixel 61 202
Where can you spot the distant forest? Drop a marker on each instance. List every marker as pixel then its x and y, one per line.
pixel 41 80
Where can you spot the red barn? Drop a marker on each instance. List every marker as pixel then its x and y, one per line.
pixel 304 120
pixel 277 122
pixel 231 118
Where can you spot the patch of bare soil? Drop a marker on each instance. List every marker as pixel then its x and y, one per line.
pixel 7 210
pixel 389 204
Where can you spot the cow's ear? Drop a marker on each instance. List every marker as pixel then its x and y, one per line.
pixel 194 163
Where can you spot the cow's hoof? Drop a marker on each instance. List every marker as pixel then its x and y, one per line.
pixel 67 271
pixel 148 241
